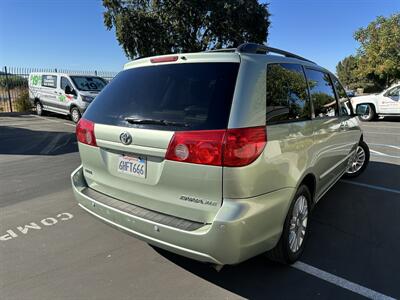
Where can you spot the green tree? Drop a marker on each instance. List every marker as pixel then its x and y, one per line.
pixel 153 27
pixel 347 71
pixel 379 53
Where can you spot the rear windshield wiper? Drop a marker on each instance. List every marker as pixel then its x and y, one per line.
pixel 155 122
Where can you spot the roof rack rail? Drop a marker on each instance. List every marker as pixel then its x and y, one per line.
pixel 262 49
pixel 222 50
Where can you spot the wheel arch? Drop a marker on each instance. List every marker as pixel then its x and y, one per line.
pixel 310 180
pixel 373 105
pixel 72 105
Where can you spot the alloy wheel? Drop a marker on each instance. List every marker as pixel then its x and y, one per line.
pixel 357 162
pixel 75 115
pixel 38 108
pixel 298 224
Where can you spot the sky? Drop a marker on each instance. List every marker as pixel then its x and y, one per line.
pixel 70 34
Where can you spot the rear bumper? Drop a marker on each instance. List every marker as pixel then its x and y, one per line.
pixel 241 229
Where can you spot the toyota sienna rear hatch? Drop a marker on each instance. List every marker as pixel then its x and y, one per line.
pixel 139 139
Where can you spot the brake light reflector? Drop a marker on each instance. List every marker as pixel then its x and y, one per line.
pixel 231 147
pixel 85 132
pixel 164 59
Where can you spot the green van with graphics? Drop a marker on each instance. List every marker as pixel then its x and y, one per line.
pixel 63 93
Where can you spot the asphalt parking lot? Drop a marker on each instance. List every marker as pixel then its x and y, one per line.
pixel 52 249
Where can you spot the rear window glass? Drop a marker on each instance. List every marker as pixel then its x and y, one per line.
pixel 88 83
pixel 198 95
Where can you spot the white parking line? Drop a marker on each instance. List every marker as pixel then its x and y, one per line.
pixel 375 187
pixel 25 123
pixel 47 119
pixel 374 152
pixel 54 121
pixel 375 126
pixel 385 145
pixel 339 281
pixel 372 132
pixel 52 144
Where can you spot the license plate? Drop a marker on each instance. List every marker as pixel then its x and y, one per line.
pixel 132 165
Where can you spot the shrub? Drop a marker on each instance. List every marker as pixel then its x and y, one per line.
pixel 13 81
pixel 22 102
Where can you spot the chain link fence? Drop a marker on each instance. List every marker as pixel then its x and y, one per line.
pixel 14 83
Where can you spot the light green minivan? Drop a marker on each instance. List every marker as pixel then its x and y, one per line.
pixel 218 156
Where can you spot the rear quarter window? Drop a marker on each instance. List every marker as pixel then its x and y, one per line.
pixel 198 95
pixel 49 81
pixel 287 96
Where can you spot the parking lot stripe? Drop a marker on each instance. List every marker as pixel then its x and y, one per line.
pixel 339 281
pixel 376 187
pixel 52 144
pixel 47 119
pixel 385 145
pixel 375 126
pixel 54 121
pixel 373 132
pixel 374 152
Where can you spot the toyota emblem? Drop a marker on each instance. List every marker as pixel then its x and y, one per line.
pixel 125 138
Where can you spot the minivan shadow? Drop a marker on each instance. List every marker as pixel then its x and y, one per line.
pixel 23 141
pixel 259 278
pixel 256 278
pixel 389 119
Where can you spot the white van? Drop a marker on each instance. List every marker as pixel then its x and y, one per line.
pixel 63 93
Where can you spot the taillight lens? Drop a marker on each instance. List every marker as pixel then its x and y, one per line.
pixel 85 132
pixel 198 147
pixel 231 148
pixel 243 146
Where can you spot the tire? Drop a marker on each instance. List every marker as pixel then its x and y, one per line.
pixel 359 162
pixel 284 252
pixel 75 115
pixel 371 114
pixel 39 108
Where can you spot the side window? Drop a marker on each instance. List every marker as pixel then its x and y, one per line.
pixel 394 92
pixel 49 81
pixel 65 82
pixel 322 94
pixel 345 108
pixel 287 96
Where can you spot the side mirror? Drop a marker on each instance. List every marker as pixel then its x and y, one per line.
pixel 362 109
pixel 350 94
pixel 69 91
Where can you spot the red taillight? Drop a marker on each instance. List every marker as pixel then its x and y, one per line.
pixel 243 145
pixel 164 59
pixel 198 147
pixel 231 148
pixel 85 132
